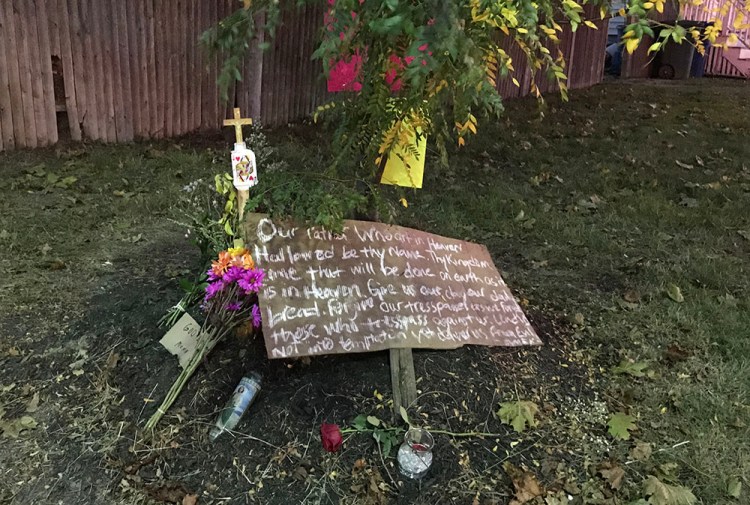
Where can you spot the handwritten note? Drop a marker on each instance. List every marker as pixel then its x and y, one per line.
pixel 182 339
pixel 376 287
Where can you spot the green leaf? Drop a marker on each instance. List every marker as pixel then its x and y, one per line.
pixel 620 425
pixel 654 47
pixel 186 285
pixel 734 487
pixel 518 414
pixel 373 420
pixel 675 293
pixel 634 368
pixel 664 494
pixel 228 229
pixel 404 414
pixel 360 422
pixel 387 445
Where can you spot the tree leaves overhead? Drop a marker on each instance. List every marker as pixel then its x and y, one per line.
pixel 518 414
pixel 620 425
pixel 435 66
pixel 665 494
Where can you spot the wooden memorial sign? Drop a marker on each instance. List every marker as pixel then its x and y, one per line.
pixel 377 287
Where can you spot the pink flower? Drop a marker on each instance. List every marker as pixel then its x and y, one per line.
pixel 423 47
pixel 345 74
pixel 330 435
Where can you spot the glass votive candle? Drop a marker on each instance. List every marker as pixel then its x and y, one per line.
pixel 415 454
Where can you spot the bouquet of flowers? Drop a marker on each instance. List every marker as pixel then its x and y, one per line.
pixel 231 298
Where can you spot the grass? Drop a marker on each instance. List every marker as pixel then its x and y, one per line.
pixel 607 208
pixel 590 211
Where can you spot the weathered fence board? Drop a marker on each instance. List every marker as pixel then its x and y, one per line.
pixel 7 137
pixel 135 69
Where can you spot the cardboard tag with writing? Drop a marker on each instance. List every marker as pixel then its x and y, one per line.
pixel 182 339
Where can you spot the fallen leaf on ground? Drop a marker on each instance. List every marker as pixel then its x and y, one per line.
pixel 632 296
pixel 641 452
pixel 518 414
pixel 190 499
pixel 14 427
pixel 169 491
pixel 525 483
pixel 675 293
pixel 620 425
pixel 734 487
pixel 675 353
pixel 612 473
pixel 634 368
pixel 686 166
pixel 33 404
pixel 686 201
pixel 664 494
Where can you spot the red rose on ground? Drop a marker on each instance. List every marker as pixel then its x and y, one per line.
pixel 330 435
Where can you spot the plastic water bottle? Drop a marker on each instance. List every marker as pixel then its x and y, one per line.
pixel 244 394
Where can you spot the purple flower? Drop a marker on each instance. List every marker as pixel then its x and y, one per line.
pixel 234 306
pixel 251 280
pixel 211 275
pixel 257 319
pixel 213 288
pixel 233 274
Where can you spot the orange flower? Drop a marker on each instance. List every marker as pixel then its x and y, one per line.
pixel 247 261
pixel 221 266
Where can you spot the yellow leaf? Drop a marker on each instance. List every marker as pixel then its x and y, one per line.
pixel 404 203
pixel 472 128
pixel 648 5
pixel 461 141
pixel 732 39
pixel 590 24
pixel 603 12
pixel 515 81
pixel 622 12
pixel 660 7
pixel 505 30
pixel 522 30
pixel 631 44
pixel 629 34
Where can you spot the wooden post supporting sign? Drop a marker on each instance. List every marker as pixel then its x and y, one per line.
pixel 403 380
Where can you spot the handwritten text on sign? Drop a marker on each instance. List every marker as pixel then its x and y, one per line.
pixel 376 287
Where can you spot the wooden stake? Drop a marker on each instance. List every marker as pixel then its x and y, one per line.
pixel 403 380
pixel 242 196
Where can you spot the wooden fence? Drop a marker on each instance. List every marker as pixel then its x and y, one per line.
pixel 115 70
